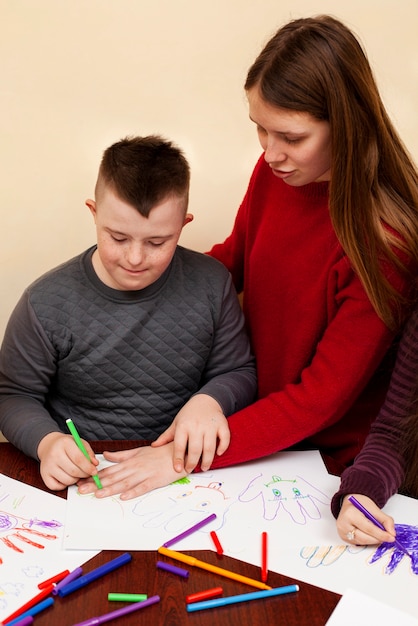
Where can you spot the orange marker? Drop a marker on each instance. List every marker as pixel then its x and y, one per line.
pixel 264 570
pixel 215 539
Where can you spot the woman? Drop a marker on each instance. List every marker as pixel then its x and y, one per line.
pixel 324 247
pixel 324 250
pixel 389 458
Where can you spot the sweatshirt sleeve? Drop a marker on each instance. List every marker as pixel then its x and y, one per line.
pixel 230 374
pixel 27 366
pixel 346 357
pixel 378 470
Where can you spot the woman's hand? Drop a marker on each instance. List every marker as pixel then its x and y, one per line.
pixel 353 527
pixel 199 430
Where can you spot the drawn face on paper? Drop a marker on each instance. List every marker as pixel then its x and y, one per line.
pixel 188 504
pixel 294 495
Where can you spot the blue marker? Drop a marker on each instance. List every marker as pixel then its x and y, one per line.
pixel 244 597
pixel 34 610
pixel 96 573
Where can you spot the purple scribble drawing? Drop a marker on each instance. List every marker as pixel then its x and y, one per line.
pixel 295 496
pixel 408 537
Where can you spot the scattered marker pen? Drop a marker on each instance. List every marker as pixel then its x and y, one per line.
pixel 127 597
pixel 264 568
pixel 54 579
pixel 34 610
pixel 190 530
pixel 215 539
pixel 244 597
pixel 76 573
pixel 193 562
pixel 136 606
pixel 173 569
pixel 40 596
pixel 24 621
pixel 81 446
pixel 96 573
pixel 204 595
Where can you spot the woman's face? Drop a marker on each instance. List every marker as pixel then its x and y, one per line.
pixel 296 145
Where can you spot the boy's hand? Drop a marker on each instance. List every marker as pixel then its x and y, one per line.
pixel 353 527
pixel 135 472
pixel 199 430
pixel 61 461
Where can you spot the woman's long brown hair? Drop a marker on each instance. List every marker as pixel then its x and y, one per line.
pixel 316 65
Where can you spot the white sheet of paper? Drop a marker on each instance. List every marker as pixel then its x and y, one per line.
pixel 288 495
pixel 31 533
pixel 145 523
pixel 358 608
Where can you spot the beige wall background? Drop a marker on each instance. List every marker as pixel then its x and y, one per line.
pixel 77 75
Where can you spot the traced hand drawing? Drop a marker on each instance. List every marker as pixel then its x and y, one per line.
pixel 181 504
pixel 408 537
pixel 326 555
pixel 295 496
pixel 17 532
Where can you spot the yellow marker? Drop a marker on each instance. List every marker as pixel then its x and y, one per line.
pixel 193 562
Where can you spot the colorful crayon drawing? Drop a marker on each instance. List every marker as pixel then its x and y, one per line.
pixel 408 536
pixel 31 535
pixel 316 556
pixel 16 532
pixel 298 498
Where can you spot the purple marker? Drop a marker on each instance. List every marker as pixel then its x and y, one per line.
pixel 68 579
pixel 375 521
pixel 190 530
pixel 25 621
pixel 173 569
pixel 136 606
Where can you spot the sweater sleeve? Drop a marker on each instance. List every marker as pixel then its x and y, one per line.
pixel 378 470
pixel 27 366
pixel 335 381
pixel 230 374
pixel 346 357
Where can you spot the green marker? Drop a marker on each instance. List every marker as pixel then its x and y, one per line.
pixel 80 445
pixel 127 597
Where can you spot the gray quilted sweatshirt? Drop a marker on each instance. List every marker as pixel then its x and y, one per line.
pixel 121 364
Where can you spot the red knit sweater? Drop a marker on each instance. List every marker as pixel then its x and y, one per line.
pixel 322 353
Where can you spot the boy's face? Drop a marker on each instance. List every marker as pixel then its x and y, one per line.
pixel 133 251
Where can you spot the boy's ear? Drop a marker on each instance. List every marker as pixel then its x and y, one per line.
pixel 91 204
pixel 189 217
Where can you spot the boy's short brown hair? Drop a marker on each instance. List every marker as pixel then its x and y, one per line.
pixel 144 171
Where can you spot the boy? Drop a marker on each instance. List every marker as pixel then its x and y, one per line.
pixel 128 335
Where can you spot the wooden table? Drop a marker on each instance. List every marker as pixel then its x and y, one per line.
pixel 311 605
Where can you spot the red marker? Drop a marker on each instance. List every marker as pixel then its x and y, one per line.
pixel 204 595
pixel 219 548
pixel 264 570
pixel 40 596
pixel 54 579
